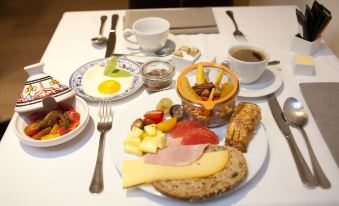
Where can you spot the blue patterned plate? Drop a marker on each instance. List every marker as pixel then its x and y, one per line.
pixel 133 67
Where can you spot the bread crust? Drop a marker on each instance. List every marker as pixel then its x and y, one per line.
pixel 201 188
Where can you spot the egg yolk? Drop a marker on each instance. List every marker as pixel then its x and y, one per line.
pixel 109 87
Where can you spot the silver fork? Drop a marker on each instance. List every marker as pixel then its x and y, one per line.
pixel 104 125
pixel 237 33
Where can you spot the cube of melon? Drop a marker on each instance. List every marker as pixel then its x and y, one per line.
pixel 159 140
pixel 132 150
pixel 132 140
pixel 148 146
pixel 151 130
pixel 137 132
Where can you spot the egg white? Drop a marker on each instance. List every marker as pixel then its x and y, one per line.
pixel 95 75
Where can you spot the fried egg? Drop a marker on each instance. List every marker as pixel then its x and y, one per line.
pixel 96 84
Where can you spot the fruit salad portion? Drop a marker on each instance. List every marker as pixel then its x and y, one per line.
pixel 147 134
pixel 165 127
pixel 204 90
pixel 206 96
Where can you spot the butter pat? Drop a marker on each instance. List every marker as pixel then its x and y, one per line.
pixel 136 172
pixel 303 65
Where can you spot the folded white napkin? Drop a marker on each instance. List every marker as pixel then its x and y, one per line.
pixel 182 20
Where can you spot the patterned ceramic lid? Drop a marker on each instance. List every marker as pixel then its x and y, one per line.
pixel 39 86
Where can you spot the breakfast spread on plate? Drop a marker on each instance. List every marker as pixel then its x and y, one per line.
pixel 53 124
pixel 182 157
pixel 108 81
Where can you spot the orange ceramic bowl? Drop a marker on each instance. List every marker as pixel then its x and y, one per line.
pixel 211 113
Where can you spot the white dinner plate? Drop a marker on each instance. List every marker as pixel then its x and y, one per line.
pixel 75 81
pixel 267 84
pixel 255 156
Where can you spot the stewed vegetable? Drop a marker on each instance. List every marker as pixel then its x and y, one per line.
pixel 52 124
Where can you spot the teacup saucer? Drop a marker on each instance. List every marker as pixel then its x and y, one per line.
pixel 268 83
pixel 173 42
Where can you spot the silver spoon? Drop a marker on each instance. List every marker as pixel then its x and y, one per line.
pixel 100 39
pixel 165 51
pixel 296 115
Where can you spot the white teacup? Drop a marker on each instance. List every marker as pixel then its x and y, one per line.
pixel 248 62
pixel 151 33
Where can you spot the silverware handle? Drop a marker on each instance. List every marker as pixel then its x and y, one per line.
pixel 230 14
pixel 303 169
pixel 103 20
pixel 274 62
pixel 97 183
pixel 317 170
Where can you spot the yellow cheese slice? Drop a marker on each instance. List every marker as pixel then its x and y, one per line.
pixel 136 172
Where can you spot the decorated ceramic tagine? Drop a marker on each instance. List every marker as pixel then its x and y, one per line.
pixel 41 90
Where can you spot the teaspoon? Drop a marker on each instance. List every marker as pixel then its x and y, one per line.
pixel 296 116
pixel 165 51
pixel 100 39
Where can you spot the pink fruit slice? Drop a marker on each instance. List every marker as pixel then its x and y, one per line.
pixel 199 136
pixel 184 126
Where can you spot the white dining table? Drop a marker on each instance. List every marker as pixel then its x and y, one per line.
pixel 60 175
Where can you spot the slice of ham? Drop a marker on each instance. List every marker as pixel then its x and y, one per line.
pixel 171 142
pixel 178 155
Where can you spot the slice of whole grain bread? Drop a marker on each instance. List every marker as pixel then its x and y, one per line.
pixel 201 188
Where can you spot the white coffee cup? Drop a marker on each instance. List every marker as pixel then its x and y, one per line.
pixel 151 33
pixel 248 62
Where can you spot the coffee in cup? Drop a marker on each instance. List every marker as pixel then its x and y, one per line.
pixel 248 62
pixel 151 33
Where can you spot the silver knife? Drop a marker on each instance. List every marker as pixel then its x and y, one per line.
pixel 112 36
pixel 303 169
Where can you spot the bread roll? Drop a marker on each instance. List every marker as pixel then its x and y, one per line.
pixel 242 125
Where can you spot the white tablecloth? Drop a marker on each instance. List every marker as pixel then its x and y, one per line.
pixel 61 175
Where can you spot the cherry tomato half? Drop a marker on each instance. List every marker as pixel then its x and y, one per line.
pixel 155 115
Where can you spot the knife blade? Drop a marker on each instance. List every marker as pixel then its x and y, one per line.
pixel 112 36
pixel 303 169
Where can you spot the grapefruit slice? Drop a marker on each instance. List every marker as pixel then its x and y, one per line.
pixel 184 126
pixel 199 136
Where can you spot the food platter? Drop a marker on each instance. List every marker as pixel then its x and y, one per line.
pixel 75 81
pixel 255 156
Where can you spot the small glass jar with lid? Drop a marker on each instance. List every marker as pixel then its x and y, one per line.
pixel 157 75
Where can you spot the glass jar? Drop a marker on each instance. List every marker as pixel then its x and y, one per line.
pixel 211 113
pixel 157 74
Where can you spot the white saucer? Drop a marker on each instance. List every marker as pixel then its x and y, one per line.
pixel 173 42
pixel 268 83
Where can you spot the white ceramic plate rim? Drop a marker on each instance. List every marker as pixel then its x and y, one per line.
pixel 264 91
pixel 20 123
pixel 255 156
pixel 75 81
